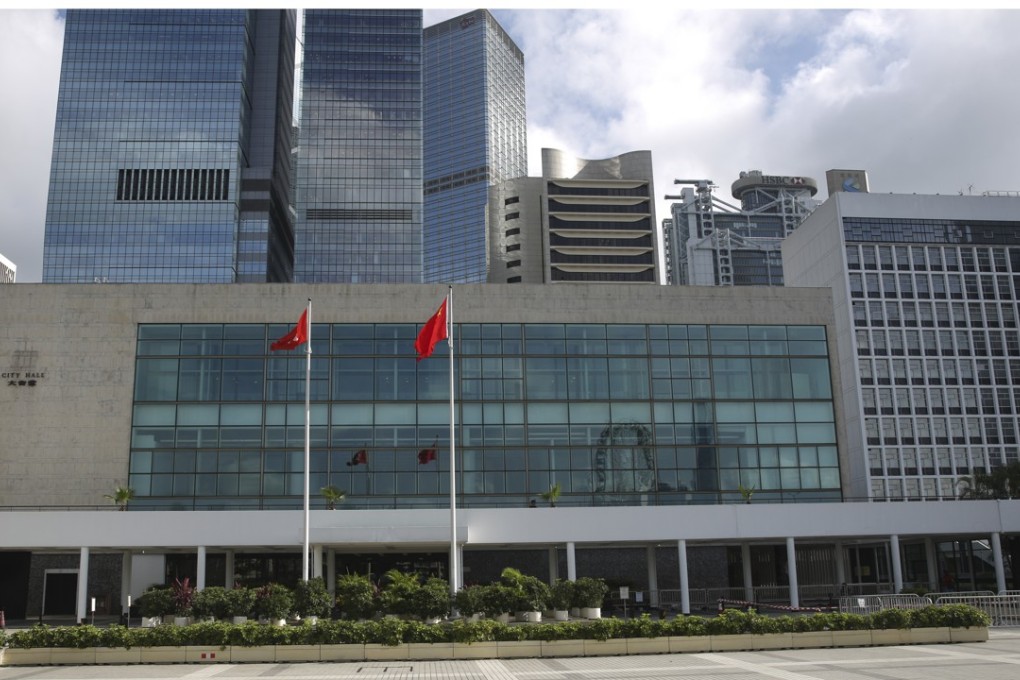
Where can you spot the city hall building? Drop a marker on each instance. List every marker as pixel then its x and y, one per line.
pixel 696 435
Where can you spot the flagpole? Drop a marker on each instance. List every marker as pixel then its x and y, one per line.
pixel 454 566
pixel 308 429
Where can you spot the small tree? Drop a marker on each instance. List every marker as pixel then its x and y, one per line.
pixel 356 596
pixel 469 600
pixel 240 601
pixel 552 495
pixel 589 592
pixel 398 592
pixel 157 601
pixel 274 601
pixel 333 496
pixel 211 601
pixel 561 594
pixel 312 599
pixel 531 594
pixel 497 599
pixel 121 496
pixel 432 599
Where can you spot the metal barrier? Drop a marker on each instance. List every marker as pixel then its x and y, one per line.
pixel 962 593
pixel 869 604
pixel 1004 610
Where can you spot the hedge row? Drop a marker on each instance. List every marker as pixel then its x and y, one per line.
pixel 392 631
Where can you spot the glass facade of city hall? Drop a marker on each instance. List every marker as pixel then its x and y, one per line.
pixel 613 413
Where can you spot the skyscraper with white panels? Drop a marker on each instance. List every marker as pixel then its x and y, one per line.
pixel 926 292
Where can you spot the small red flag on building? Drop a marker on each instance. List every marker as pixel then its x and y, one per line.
pixel 432 333
pixel 297 336
pixel 359 458
pixel 428 455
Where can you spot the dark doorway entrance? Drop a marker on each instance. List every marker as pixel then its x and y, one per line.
pixel 14 568
pixel 61 590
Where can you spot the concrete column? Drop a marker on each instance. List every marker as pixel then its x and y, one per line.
pixel 331 571
pixel 897 567
pixel 1000 572
pixel 685 586
pixel 125 581
pixel 316 561
pixel 791 568
pixel 200 569
pixel 229 576
pixel 82 608
pixel 837 558
pixel 571 562
pixel 931 559
pixel 554 565
pixel 745 563
pixel 653 577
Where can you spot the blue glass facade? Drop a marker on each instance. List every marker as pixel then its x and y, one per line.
pixel 166 159
pixel 475 136
pixel 359 199
pixel 627 414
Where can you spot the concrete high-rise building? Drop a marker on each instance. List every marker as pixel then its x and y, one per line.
pixel 475 137
pixel 716 243
pixel 8 270
pixel 926 305
pixel 171 155
pixel 583 220
pixel 359 202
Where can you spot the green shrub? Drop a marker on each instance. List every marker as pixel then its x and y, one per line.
pixel 497 599
pixel 530 594
pixel 274 601
pixel 478 631
pixel 950 615
pixel 397 596
pixel 211 601
pixel 156 601
pixel 685 626
pixel 431 600
pixel 239 601
pixel 312 599
pixel 589 592
pixel 469 600
pixel 355 594
pixel 561 594
pixel 888 619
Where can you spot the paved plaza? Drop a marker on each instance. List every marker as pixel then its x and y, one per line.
pixel 997 659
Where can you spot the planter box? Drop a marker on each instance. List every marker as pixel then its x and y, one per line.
pixel 475 650
pixel 812 639
pixel 35 656
pixel 118 655
pixel 517 649
pixel 615 647
pixel 552 648
pixel 164 654
pixel 374 652
pixel 968 635
pixel 659 645
pixel 61 656
pixel 851 638
pixel 889 637
pixel 425 651
pixel 927 636
pixel 349 652
pixel 730 643
pixel 771 641
pixel 689 644
pixel 203 654
pixel 297 653
pixel 264 654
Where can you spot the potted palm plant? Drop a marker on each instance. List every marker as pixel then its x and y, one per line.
pixel 332 495
pixel 398 593
pixel 552 495
pixel 356 596
pixel 121 496
pixel 530 594
pixel 498 601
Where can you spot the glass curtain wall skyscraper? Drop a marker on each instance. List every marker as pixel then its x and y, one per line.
pixel 171 148
pixel 359 199
pixel 475 137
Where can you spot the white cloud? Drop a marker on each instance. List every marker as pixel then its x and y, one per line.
pixel 29 73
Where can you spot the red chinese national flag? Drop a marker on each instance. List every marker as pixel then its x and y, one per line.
pixel 359 458
pixel 297 336
pixel 428 455
pixel 432 333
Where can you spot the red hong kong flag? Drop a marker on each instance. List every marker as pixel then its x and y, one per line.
pixel 428 455
pixel 359 458
pixel 297 336
pixel 432 333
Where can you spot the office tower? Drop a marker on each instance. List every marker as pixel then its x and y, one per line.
pixel 171 150
pixel 8 270
pixel 475 136
pixel 359 203
pixel 926 315
pixel 583 220
pixel 719 244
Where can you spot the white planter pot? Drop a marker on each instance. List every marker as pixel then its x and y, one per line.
pixel 312 620
pixel 280 622
pixel 561 615
pixel 180 620
pixel 591 612
pixel 503 618
pixel 151 621
pixel 239 619
pixel 531 617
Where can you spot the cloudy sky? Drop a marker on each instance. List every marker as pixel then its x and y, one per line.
pixel 924 100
